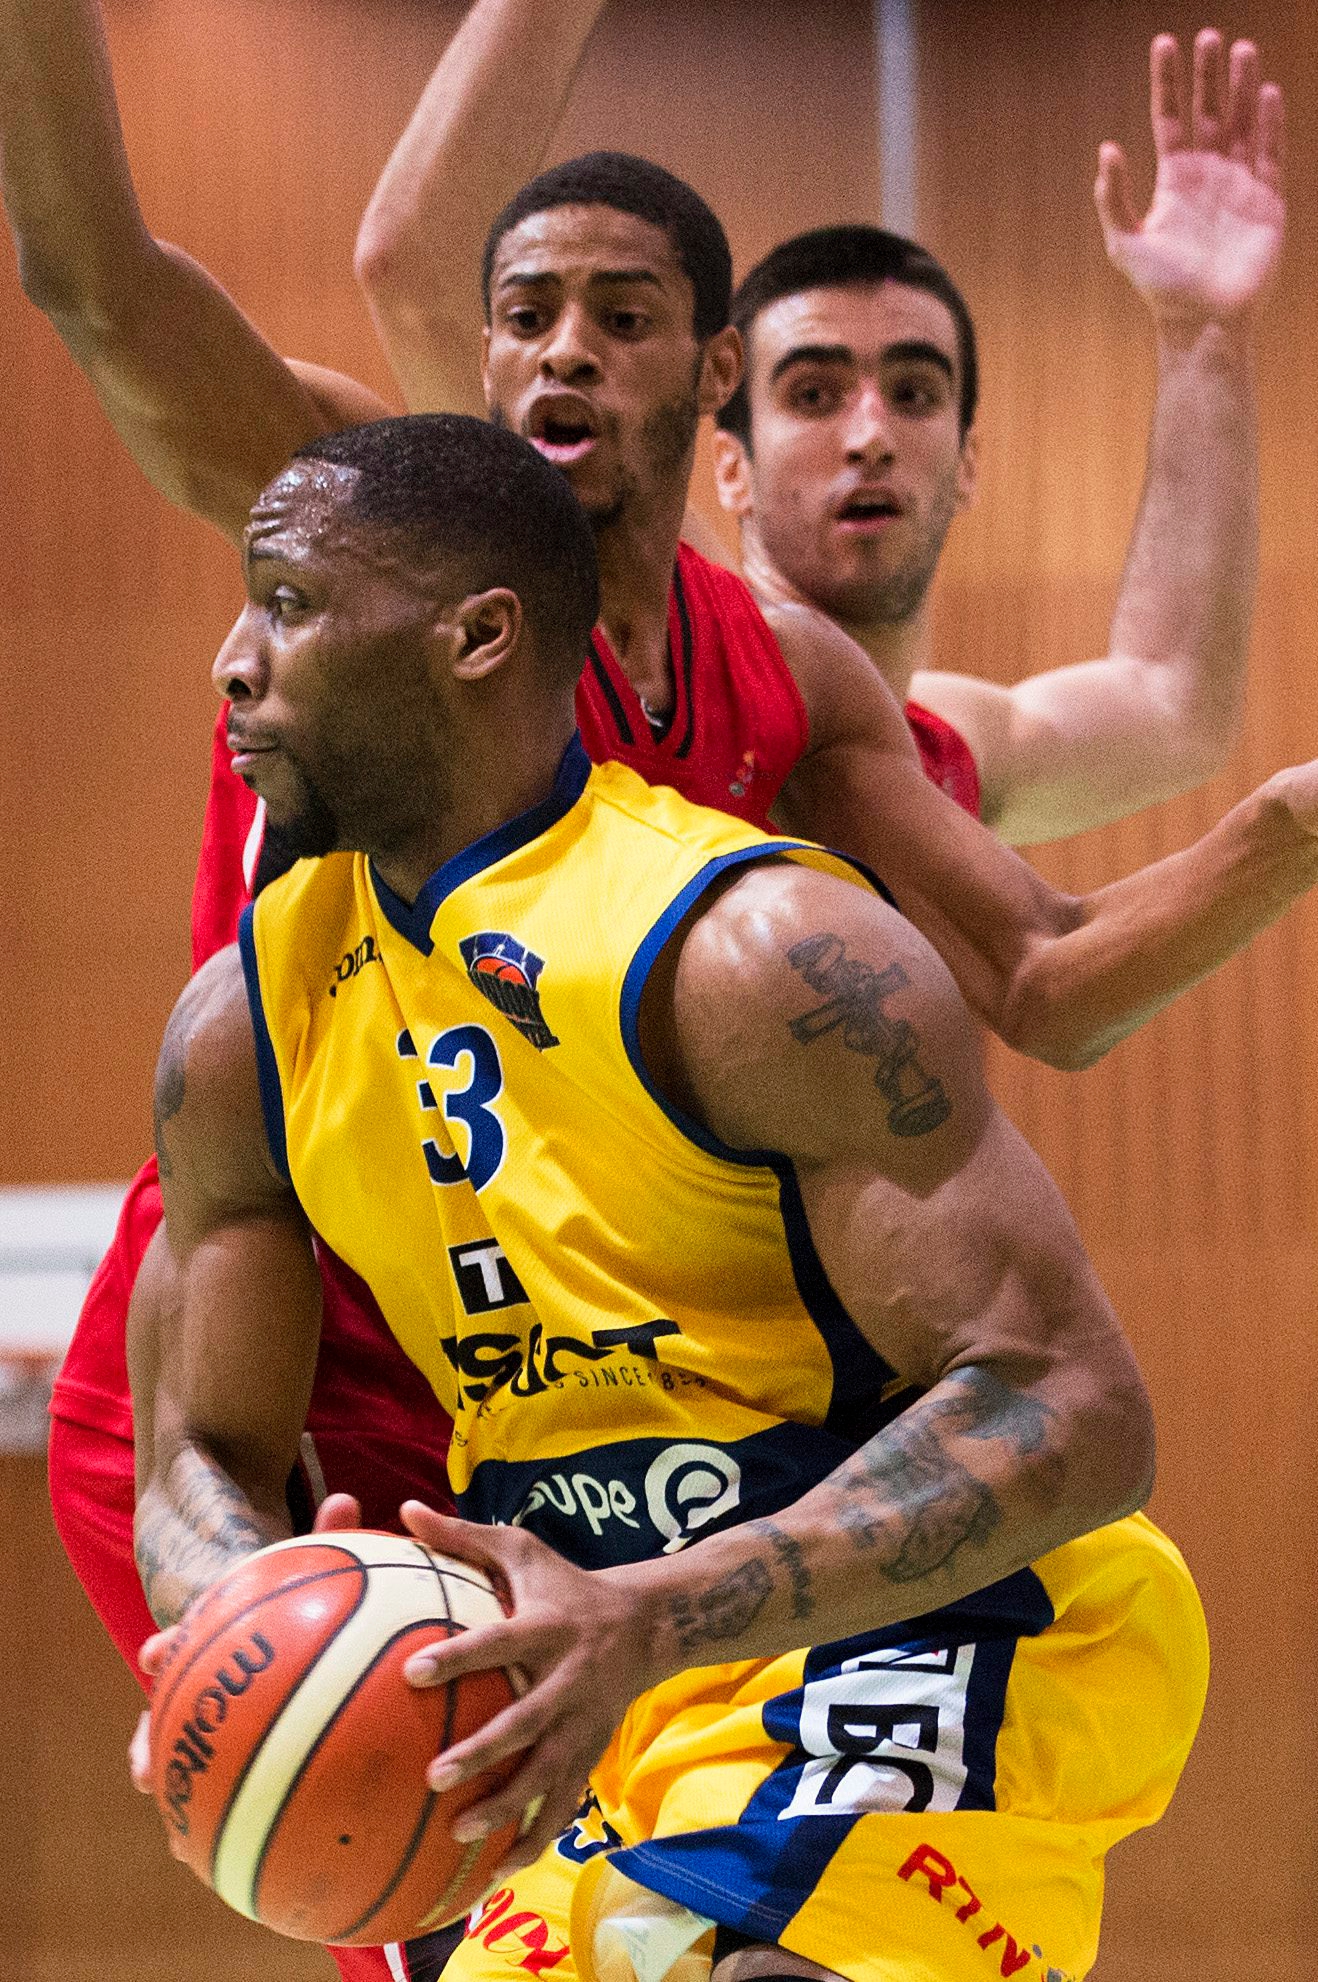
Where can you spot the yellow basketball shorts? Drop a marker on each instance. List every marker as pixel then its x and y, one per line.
pixel 931 1810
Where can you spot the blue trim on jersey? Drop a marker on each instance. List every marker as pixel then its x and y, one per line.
pixel 413 919
pixel 860 1375
pixel 638 973
pixel 267 1067
pixel 986 1707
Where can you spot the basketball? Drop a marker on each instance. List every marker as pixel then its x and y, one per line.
pixel 288 1753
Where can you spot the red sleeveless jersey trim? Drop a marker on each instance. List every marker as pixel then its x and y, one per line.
pixel 739 723
pixel 946 756
pixel 221 891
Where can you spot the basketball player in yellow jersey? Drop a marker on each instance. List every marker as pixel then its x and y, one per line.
pixel 784 1397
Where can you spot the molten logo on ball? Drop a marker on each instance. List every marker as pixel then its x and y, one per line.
pixel 192 1751
pixel 289 1754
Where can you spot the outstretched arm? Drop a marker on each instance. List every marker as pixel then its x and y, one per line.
pixel 225 1316
pixel 1062 978
pixel 206 408
pixel 1083 744
pixel 851 1054
pixel 479 132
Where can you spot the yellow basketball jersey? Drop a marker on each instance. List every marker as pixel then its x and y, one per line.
pixel 627 1323
pixel 638 1345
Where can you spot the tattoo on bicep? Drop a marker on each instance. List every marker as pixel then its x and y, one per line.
pixel 725 1609
pixel 170 1081
pixel 854 994
pixel 909 1497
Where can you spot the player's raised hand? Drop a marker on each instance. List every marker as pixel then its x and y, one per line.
pixel 1208 245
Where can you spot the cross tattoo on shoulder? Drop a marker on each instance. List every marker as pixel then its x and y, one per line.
pixel 854 994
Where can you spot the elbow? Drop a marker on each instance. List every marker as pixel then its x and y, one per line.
pixel 381 263
pixel 48 282
pixel 1119 1444
pixel 375 257
pixel 90 300
pixel 1046 1018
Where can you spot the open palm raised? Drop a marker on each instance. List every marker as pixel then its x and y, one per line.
pixel 1208 245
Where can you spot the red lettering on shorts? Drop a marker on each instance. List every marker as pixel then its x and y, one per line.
pixel 972 1906
pixel 940 1874
pixel 532 1930
pixel 939 1871
pixel 490 1907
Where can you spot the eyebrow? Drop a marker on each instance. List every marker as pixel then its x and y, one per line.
pixel 912 350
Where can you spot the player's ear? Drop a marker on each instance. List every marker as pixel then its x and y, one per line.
pixel 489 626
pixel 967 475
pixel 721 368
pixel 732 474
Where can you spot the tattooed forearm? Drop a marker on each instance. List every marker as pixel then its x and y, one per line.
pixel 189 1531
pixel 854 994
pixel 725 1609
pixel 909 1497
pixel 792 1557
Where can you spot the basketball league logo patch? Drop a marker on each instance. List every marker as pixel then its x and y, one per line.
pixel 507 973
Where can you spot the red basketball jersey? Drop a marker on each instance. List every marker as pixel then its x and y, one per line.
pixel 946 756
pixel 738 723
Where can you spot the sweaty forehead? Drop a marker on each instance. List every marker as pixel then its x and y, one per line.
pixel 304 510
pixel 865 321
pixel 580 241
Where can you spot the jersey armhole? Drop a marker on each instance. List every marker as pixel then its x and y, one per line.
pixel 267 1067
pixel 643 961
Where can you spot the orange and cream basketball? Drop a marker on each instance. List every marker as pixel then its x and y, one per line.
pixel 289 1754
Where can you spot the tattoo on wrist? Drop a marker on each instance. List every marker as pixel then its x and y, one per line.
pixel 723 1610
pixel 854 994
pixel 792 1558
pixel 910 1498
pixel 204 1526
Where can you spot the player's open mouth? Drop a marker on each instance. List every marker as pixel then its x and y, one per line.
pixel 867 512
pixel 562 428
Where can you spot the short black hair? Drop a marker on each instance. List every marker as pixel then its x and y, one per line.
pixel 458 491
pixel 847 257
pixel 637 186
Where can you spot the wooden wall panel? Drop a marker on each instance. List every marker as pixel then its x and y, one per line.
pixel 256 128
pixel 1188 1155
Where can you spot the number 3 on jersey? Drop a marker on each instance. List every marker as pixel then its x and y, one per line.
pixel 472 1054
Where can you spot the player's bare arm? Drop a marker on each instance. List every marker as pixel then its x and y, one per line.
pixel 225 1317
pixel 1082 744
pixel 847 1050
pixel 1061 978
pixel 208 410
pixel 478 133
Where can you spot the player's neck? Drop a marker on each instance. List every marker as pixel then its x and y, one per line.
pixel 899 649
pixel 636 558
pixel 505 767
